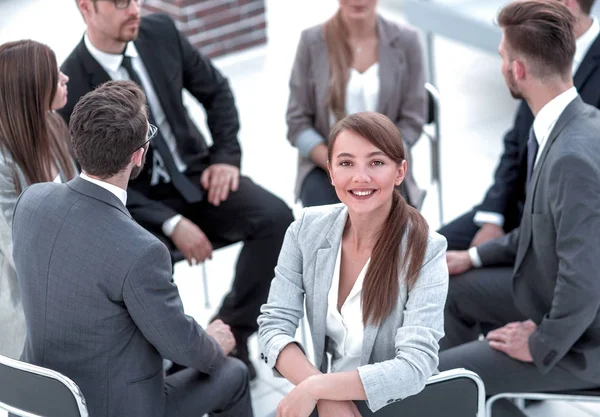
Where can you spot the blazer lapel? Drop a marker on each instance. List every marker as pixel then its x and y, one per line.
pixel 369 336
pixel 95 72
pixel 389 65
pixel 525 229
pixel 324 268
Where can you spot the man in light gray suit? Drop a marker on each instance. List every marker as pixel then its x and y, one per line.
pixel 545 308
pixel 98 296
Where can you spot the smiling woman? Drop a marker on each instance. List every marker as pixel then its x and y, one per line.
pixel 373 277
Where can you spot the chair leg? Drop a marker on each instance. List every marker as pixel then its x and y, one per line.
pixel 205 285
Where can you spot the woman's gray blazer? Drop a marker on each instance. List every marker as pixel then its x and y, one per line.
pixel 402 94
pixel 12 319
pixel 399 355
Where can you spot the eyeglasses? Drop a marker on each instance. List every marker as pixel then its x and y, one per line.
pixel 124 4
pixel 152 131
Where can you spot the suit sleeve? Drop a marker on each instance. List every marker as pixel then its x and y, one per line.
pixel 413 109
pixel 153 301
pixel 500 251
pixel 212 90
pixel 508 178
pixel 147 211
pixel 301 108
pixel 284 309
pixel 574 212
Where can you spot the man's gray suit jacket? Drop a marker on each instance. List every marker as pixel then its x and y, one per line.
pixel 99 300
pixel 556 248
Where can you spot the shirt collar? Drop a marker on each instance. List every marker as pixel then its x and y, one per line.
pixel 549 114
pixel 583 43
pixel 110 62
pixel 120 193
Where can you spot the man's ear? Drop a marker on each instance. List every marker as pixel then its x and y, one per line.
pixel 137 157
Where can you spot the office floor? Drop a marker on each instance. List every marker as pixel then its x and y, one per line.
pixel 476 110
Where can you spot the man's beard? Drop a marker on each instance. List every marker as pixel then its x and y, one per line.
pixel 511 83
pixel 135 172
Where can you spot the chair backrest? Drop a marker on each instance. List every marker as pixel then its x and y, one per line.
pixel 28 390
pixel 453 393
pixel 433 103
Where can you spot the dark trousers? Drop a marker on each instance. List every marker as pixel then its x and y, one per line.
pixel 317 189
pixel 460 232
pixel 225 393
pixel 482 299
pixel 251 215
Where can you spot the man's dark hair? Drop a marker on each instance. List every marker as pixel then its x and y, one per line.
pixel 541 32
pixel 107 125
pixel 586 5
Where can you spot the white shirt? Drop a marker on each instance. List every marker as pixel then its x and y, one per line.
pixel 362 90
pixel 582 46
pixel 120 193
pixel 112 65
pixel 543 124
pixel 345 328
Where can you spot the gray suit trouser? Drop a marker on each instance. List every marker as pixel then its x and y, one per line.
pixel 225 393
pixel 481 300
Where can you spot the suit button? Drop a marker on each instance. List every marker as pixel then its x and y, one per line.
pixel 262 356
pixel 266 360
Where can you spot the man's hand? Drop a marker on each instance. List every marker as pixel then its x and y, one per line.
pixel 222 334
pixel 487 232
pixel 513 339
pixel 219 180
pixel 329 408
pixel 191 241
pixel 459 262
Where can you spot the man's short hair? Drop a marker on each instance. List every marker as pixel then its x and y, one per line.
pixel 586 5
pixel 107 126
pixel 541 32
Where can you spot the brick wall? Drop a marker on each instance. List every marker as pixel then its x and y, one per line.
pixel 216 27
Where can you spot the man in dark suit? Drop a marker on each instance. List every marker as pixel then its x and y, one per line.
pixel 502 208
pixel 98 294
pixel 545 310
pixel 190 195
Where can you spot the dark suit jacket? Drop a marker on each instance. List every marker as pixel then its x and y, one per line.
pixel 507 195
pixel 100 303
pixel 556 249
pixel 173 65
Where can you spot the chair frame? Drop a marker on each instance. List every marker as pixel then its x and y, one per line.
pixel 48 373
pixel 434 139
pixel 541 396
pixel 464 373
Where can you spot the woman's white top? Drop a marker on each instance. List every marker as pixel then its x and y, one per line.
pixel 345 328
pixel 362 91
pixel 58 179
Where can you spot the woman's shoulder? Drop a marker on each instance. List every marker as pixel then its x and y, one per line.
pixel 315 221
pixel 396 29
pixel 313 34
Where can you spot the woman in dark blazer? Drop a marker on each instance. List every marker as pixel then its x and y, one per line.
pixel 34 147
pixel 356 61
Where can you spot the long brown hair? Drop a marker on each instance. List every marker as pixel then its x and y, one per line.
pixel 340 60
pixel 381 287
pixel 29 131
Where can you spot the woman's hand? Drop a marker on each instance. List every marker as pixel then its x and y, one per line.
pixel 300 402
pixel 329 408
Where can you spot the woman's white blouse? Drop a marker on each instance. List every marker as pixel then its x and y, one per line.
pixel 362 91
pixel 345 328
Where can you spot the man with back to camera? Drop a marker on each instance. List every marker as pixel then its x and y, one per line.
pixel 189 195
pixel 544 309
pixel 501 210
pixel 98 295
